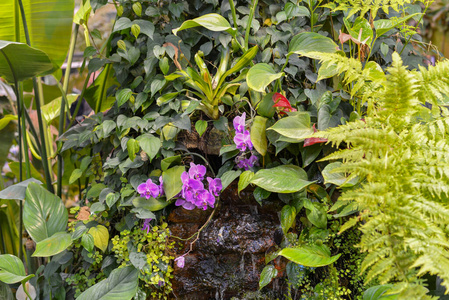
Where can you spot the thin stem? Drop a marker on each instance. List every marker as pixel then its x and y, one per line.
pixel 250 22
pixel 417 24
pixel 200 156
pixel 234 15
pixel 80 99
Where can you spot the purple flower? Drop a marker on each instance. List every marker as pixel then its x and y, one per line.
pixel 197 171
pixel 148 189
pixel 146 225
pixel 161 185
pixel 239 123
pixel 246 163
pixel 185 204
pixel 243 141
pixel 214 186
pixel 180 261
pixel 205 198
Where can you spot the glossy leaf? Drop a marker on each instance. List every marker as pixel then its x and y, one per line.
pixel 87 241
pixel 44 213
pixel 150 145
pixel 244 180
pixel 17 191
pixel 133 147
pixel 49 25
pixel 306 43
pixel 268 273
pixel 53 245
pixel 19 61
pixel 101 237
pixel 310 256
pixel 213 22
pixel 337 178
pixel 121 284
pixel 260 76
pixel 123 96
pixel 6 119
pixel 382 26
pixel 288 215
pixel 172 181
pixel 50 111
pixel 281 179
pixel 378 293
pixel 96 94
pixel 258 134
pixel 242 62
pixel 316 214
pixel 265 107
pixel 200 127
pixel 228 177
pixel 296 127
pixel 151 204
pixel 12 269
pixel 5 292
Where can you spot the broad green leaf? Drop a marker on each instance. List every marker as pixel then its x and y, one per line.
pixel 295 10
pixel 19 61
pixel 51 110
pixel 268 273
pixel 378 293
pixel 76 174
pixel 151 204
pixel 6 119
pixel 309 256
pixel 166 98
pixel 133 147
pixel 338 178
pixel 150 145
pixel 243 61
pixel 87 241
pixel 121 284
pixel 360 24
pixel 53 245
pixel 12 269
pixel 288 215
pixel 96 94
pixel 17 191
pixel 15 169
pixel 123 96
pixel 316 214
pixel 201 127
pixel 138 259
pixel 5 292
pixel 213 22
pixel 228 177
pixel 260 76
pixel 44 213
pixel 170 161
pixel 382 26
pixel 296 127
pixel 244 180
pixel 49 25
pixel 145 26
pixel 265 107
pixel 112 198
pixel 306 43
pixel 281 179
pixel 258 134
pixel 172 181
pixel 101 237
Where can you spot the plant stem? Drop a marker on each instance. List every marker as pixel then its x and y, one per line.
pixel 250 22
pixel 234 15
pixel 80 99
pixel 416 27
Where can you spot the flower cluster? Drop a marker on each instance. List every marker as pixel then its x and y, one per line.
pixel 193 193
pixel 149 189
pixel 242 140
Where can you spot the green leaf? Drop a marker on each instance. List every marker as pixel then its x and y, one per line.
pixel 296 127
pixel 5 292
pixel 288 215
pixel 53 245
pixel 150 145
pixel 201 127
pixel 309 256
pixel 295 10
pixel 228 177
pixel 338 178
pixel 17 191
pixel 261 194
pixel 101 237
pixel 350 223
pixel 122 96
pixel 138 259
pixel 112 198
pixel 172 181
pixel 377 293
pixel 12 269
pixel 6 119
pixel 19 61
pixel 44 213
pixel 268 273
pixel 258 134
pixel 87 241
pixel 281 179
pixel 306 43
pixel 265 107
pixel 49 25
pixel 170 161
pixel 51 110
pixel 121 284
pixel 151 204
pixel 244 180
pixel 213 22
pixel 96 94
pixel 243 61
pixel 260 76
pixel 133 147
pixel 382 26
pixel 316 214
pixel 76 174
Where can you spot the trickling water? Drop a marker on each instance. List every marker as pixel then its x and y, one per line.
pixel 242 265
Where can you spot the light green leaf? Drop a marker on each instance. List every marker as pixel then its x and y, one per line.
pixel 244 180
pixel 172 181
pixel 87 241
pixel 19 61
pixel 281 179
pixel 150 145
pixel 296 127
pixel 268 273
pixel 76 174
pixel 243 61
pixel 260 76
pixel 382 26
pixel 122 96
pixel 53 245
pixel 295 10
pixel 6 119
pixel 288 215
pixel 316 214
pixel 306 43
pixel 101 237
pixel 49 25
pixel 201 127
pixel 17 191
pixel 44 213
pixel 12 269
pixel 121 284
pixel 378 293
pixel 51 110
pixel 258 134
pixel 350 223
pixel 151 204
pixel 133 147
pixel 213 22
pixel 96 94
pixel 5 292
pixel 228 177
pixel 309 256
pixel 338 178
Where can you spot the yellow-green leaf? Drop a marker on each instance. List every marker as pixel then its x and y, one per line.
pixel 101 237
